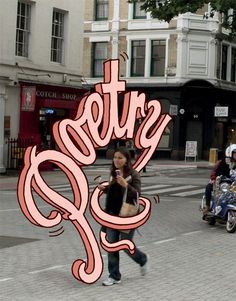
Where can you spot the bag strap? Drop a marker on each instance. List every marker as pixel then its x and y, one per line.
pixel 129 178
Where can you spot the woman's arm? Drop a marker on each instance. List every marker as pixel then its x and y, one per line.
pixel 134 186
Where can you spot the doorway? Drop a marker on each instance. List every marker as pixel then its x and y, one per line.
pixel 194 133
pixel 47 118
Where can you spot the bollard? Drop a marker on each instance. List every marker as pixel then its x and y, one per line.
pixel 213 155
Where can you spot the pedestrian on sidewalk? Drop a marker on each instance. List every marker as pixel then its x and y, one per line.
pixel 121 169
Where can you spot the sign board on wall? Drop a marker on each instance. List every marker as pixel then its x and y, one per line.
pixel 173 110
pixel 28 98
pixel 221 111
pixel 191 149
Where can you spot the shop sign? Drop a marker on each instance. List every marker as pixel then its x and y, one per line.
pixel 56 95
pixel 221 111
pixel 173 110
pixel 28 98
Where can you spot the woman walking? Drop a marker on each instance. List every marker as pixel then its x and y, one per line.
pixel 122 177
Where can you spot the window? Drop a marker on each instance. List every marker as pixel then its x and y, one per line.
pixel 101 10
pixel 233 65
pixel 224 62
pixel 57 36
pixel 137 58
pixel 158 56
pixel 22 29
pixel 99 56
pixel 138 13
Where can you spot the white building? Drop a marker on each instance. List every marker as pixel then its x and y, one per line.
pixel 41 47
pixel 188 64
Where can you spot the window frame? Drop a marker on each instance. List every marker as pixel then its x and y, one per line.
pixel 23 32
pixel 137 58
pixel 224 61
pixel 101 4
pixel 96 60
pixel 153 60
pixel 136 8
pixel 57 36
pixel 233 65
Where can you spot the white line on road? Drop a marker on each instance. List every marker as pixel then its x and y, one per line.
pixel 154 186
pixel 187 193
pixel 47 269
pixel 193 232
pixel 6 279
pixel 8 192
pixel 18 209
pixel 164 241
pixel 172 189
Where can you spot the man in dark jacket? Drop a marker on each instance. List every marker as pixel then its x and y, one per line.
pixel 221 168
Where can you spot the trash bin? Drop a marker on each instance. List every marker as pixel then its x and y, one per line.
pixel 213 155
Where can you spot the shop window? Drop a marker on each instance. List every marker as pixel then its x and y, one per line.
pixel 57 38
pixel 99 55
pixel 224 62
pixel 101 10
pixel 22 29
pixel 231 134
pixel 137 58
pixel 138 13
pixel 233 65
pixel 158 58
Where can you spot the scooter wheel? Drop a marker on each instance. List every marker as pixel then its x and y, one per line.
pixel 231 222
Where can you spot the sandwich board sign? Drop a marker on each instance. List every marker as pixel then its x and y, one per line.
pixel 191 150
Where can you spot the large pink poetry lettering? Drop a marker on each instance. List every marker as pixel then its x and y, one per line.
pixel 97 122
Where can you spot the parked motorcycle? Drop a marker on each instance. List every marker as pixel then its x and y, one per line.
pixel 223 203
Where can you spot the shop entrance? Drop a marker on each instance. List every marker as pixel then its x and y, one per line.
pixel 47 117
pixel 231 134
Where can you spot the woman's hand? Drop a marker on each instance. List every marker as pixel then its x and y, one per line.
pixel 120 180
pixel 101 187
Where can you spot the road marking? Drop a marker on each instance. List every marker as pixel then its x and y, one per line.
pixel 172 189
pixel 166 200
pixel 155 186
pixel 61 188
pixel 164 241
pixel 8 192
pixel 187 193
pixel 6 279
pixel 47 269
pixel 18 209
pixel 193 232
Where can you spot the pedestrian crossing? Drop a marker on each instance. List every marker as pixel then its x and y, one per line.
pixel 150 189
pixel 180 172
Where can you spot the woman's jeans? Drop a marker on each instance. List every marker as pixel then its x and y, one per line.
pixel 114 257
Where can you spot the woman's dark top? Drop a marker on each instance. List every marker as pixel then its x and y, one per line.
pixel 115 193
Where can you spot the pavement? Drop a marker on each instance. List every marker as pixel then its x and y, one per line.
pixel 158 163
pixel 189 261
pixel 9 179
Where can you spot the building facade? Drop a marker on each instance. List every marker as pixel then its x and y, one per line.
pixel 187 64
pixel 41 48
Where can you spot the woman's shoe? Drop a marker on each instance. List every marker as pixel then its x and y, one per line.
pixel 110 281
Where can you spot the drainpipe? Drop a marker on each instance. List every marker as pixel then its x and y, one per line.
pixel 115 29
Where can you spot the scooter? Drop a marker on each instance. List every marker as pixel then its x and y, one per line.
pixel 223 204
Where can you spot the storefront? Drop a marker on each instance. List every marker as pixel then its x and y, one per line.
pixel 41 106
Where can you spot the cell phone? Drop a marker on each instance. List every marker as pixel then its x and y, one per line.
pixel 117 172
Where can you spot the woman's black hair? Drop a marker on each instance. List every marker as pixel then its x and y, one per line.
pixel 128 166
